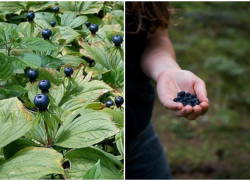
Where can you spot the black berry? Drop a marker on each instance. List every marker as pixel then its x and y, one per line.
pixel 182 93
pixel 87 23
pixel 93 28
pixel 32 74
pixel 30 16
pixel 68 71
pixel 46 33
pixel 109 103
pixel 118 101
pixel 53 23
pixel 188 94
pixel 117 40
pixel 44 85
pixel 55 9
pixel 41 101
pixel 187 99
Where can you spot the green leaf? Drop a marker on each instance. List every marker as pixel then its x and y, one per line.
pixel 11 6
pixel 67 33
pixel 57 92
pixel 82 160
pixel 90 7
pixel 31 60
pixel 36 44
pixel 15 121
pixel 68 18
pixel 73 60
pixel 52 75
pixel 8 31
pixel 117 114
pixel 6 67
pixel 78 21
pixel 50 62
pixel 32 163
pixel 95 172
pixel 86 130
pixel 24 29
pixel 96 71
pixel 15 146
pixel 44 19
pixel 38 6
pixel 115 76
pixel 119 137
pixel 93 89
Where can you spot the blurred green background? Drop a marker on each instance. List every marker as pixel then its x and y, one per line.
pixel 211 39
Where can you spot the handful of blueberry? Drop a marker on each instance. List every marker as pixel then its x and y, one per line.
pixel 187 99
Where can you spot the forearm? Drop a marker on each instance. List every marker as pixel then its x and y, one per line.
pixel 159 55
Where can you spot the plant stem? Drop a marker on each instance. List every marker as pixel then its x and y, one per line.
pixel 47 133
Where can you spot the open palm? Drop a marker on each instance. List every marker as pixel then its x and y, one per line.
pixel 171 82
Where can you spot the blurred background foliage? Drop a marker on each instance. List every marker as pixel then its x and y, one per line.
pixel 211 39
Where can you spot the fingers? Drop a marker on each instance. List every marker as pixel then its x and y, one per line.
pixel 195 113
pixel 184 111
pixel 205 107
pixel 171 105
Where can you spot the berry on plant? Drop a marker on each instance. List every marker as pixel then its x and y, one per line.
pixel 32 75
pixel 55 9
pixel 41 101
pixel 44 85
pixel 117 40
pixel 68 71
pixel 30 16
pixel 109 103
pixel 53 23
pixel 87 23
pixel 93 28
pixel 118 101
pixel 46 33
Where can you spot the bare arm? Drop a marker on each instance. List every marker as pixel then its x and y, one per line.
pixel 158 62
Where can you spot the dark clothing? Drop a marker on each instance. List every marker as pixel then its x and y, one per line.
pixel 145 157
pixel 139 91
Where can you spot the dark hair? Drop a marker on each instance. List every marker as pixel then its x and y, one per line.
pixel 157 13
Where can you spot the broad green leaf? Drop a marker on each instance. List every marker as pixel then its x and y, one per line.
pixel 73 60
pixel 32 163
pixel 82 160
pixel 68 6
pixel 11 6
pixel 93 89
pixel 34 90
pixel 95 172
pixel 24 29
pixel 86 130
pixel 11 90
pixel 68 34
pixel 68 18
pixel 15 121
pixel 119 137
pixel 44 19
pixel 57 92
pixel 115 76
pixel 15 146
pixel 94 19
pixel 38 6
pixel 78 21
pixel 8 32
pixel 6 67
pixel 31 60
pixel 52 75
pixel 50 62
pixel 96 106
pixel 117 114
pixel 96 71
pixel 36 44
pixel 90 7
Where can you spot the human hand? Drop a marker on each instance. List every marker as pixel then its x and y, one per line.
pixel 170 82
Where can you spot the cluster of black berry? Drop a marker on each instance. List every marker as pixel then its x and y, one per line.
pixel 187 99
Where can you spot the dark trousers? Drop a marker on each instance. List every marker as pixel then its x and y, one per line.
pixel 145 157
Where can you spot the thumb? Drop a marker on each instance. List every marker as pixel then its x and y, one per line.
pixel 200 90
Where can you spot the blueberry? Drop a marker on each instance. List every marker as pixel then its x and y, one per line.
pixel 188 94
pixel 190 97
pixel 55 9
pixel 30 16
pixel 184 104
pixel 179 97
pixel 188 101
pixel 46 33
pixel 192 101
pixel 182 93
pixel 118 101
pixel 117 40
pixel 195 99
pixel 181 100
pixel 189 104
pixel 194 96
pixel 87 23
pixel 93 28
pixel 32 74
pixel 109 103
pixel 196 103
pixel 41 101
pixel 53 23
pixel 44 85
pixel 68 71
pixel 185 98
pixel 176 100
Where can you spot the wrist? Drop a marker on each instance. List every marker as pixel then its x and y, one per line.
pixel 166 70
